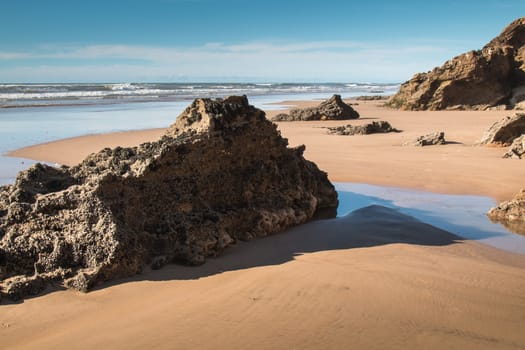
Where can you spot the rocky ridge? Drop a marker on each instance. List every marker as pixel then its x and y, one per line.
pixel 492 76
pixel 332 109
pixel 221 173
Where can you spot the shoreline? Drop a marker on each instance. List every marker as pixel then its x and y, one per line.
pixel 457 168
pixel 375 278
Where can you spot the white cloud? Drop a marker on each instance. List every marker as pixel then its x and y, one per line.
pixel 317 60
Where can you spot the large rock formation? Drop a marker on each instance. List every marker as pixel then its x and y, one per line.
pixel 379 127
pixel 332 109
pixel 221 173
pixel 511 213
pixel 494 75
pixel 504 131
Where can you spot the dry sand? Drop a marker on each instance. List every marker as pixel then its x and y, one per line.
pixel 460 167
pixel 375 279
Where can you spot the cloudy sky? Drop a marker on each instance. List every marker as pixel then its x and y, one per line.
pixel 234 40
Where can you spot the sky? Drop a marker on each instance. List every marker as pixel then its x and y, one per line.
pixel 240 41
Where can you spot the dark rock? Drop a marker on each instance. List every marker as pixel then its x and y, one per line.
pixel 371 128
pixel 372 98
pixel 435 138
pixel 221 173
pixel 511 213
pixel 492 76
pixel 505 131
pixel 331 109
pixel 517 148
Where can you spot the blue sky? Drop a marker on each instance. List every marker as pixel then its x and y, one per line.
pixel 234 40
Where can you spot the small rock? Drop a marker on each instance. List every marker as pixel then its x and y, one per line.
pixel 435 138
pixel 511 213
pixel 517 148
pixel 504 131
pixel 371 128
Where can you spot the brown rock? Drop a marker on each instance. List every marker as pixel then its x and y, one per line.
pixel 504 131
pixel 492 76
pixel 371 128
pixel 432 139
pixel 511 213
pixel 221 173
pixel 331 109
pixel 517 148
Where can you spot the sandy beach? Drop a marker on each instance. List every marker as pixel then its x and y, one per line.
pixel 375 279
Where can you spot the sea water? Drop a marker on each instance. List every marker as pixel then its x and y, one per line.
pixel 463 215
pixel 40 113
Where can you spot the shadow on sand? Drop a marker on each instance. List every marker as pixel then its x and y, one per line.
pixel 367 227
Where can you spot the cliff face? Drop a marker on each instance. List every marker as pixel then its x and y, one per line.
pixel 494 75
pixel 221 173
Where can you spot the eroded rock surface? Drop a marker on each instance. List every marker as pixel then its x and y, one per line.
pixel 492 76
pixel 505 131
pixel 221 173
pixel 511 213
pixel 331 109
pixel 516 149
pixel 366 129
pixel 432 139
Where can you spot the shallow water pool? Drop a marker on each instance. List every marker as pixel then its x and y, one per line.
pixel 463 215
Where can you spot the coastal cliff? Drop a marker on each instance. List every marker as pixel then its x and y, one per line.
pixel 492 76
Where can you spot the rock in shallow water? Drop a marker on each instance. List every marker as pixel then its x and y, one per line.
pixel 511 213
pixel 221 173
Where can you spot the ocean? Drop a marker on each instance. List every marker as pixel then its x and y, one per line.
pixel 33 95
pixel 37 113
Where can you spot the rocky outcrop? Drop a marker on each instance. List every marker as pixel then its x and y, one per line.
pixel 372 98
pixel 434 138
pixel 221 173
pixel 511 213
pixel 517 148
pixel 366 129
pixel 331 109
pixel 494 75
pixel 504 131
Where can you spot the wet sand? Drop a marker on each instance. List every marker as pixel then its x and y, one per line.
pixel 375 279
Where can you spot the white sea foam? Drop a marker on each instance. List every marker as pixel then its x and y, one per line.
pixel 16 95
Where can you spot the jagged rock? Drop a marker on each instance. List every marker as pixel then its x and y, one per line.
pixel 504 131
pixel 331 109
pixel 221 173
pixel 511 213
pixel 371 128
pixel 434 138
pixel 517 148
pixel 492 76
